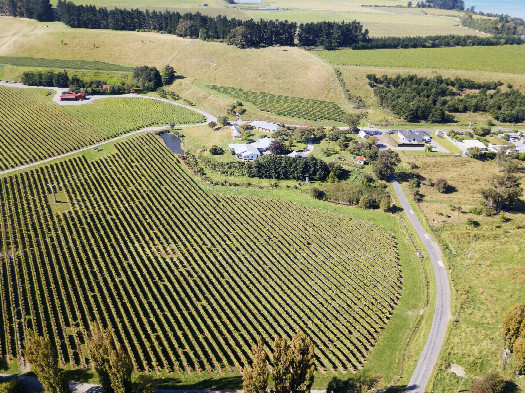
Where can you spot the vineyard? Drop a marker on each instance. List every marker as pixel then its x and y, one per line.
pixel 187 280
pixel 303 108
pixel 33 128
pixel 130 113
pixel 61 64
pixel 498 59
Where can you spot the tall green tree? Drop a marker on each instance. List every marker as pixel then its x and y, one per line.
pixel 42 356
pixel 99 345
pixel 255 377
pixel 120 369
pixel 513 327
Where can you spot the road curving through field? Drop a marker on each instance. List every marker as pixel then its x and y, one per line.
pixel 442 316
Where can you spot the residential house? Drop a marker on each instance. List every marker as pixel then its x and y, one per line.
pixel 265 126
pixel 235 131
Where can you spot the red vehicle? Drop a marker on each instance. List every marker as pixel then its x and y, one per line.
pixel 73 97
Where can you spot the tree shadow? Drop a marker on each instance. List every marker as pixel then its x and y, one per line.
pixel 396 389
pixel 226 383
pixel 396 209
pixel 510 387
pixel 3 364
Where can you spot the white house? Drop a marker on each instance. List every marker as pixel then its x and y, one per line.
pixel 417 136
pixel 470 143
pixel 251 151
pixel 235 131
pixel 265 126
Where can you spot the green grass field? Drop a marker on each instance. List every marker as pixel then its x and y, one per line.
pixel 496 59
pixel 198 325
pixel 62 64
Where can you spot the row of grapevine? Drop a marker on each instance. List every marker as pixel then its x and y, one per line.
pixel 303 108
pixel 185 279
pixel 33 128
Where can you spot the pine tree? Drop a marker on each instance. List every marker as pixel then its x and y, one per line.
pixel 44 362
pixel 255 378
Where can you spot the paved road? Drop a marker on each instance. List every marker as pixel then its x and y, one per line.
pixel 442 316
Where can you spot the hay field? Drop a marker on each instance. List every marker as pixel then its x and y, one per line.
pixel 272 70
pixel 492 280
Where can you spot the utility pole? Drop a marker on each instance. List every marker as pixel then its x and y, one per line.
pixel 52 186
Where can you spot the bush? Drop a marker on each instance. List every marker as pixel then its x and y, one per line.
pixel 472 223
pixel 216 150
pixel 442 186
pixel 316 193
pixel 489 383
pixel 12 387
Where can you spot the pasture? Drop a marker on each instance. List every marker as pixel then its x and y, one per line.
pixel 486 264
pixel 175 272
pixel 35 128
pixel 506 59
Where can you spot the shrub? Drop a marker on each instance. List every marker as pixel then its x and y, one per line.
pixel 442 186
pixel 489 383
pixel 216 150
pixel 316 193
pixel 472 223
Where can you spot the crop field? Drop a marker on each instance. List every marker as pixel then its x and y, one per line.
pixel 124 114
pixel 33 128
pixel 497 59
pixel 62 64
pixel 285 105
pixel 184 281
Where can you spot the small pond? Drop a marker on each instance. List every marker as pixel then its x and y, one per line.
pixel 173 143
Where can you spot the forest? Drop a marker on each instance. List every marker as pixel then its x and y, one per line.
pixel 443 4
pixel 434 99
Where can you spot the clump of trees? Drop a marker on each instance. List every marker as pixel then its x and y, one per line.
pixel 504 191
pixel 490 383
pixel 433 99
pixel 293 366
pixel 360 382
pixel 386 163
pixel 364 195
pixel 502 26
pixel 514 334
pixel 443 4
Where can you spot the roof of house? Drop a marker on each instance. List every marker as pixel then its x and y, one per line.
pixel 251 150
pixel 263 144
pixel 409 134
pixel 295 154
pixel 469 143
pixel 266 125
pixel 235 130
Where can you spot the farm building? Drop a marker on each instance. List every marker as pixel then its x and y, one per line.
pixel 409 136
pixel 73 97
pixel 251 151
pixel 366 133
pixel 470 143
pixel 265 126
pixel 235 131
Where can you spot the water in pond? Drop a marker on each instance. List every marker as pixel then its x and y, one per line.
pixel 173 143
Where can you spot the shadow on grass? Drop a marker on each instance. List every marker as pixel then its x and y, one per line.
pixel 79 375
pixel 510 387
pixel 3 364
pixel 227 383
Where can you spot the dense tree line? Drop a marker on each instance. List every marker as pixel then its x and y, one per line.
pixel 270 167
pixel 503 25
pixel 331 35
pixel 40 10
pixel 431 99
pixel 438 41
pixel 443 4
pixel 146 79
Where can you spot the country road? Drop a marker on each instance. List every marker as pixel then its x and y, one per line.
pixel 442 316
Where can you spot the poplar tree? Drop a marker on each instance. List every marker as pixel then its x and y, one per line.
pixel 294 365
pixel 120 369
pixel 99 345
pixel 255 378
pixel 42 356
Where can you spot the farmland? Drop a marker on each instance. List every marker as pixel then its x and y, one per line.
pixel 496 59
pixel 285 105
pixel 62 64
pixel 35 128
pixel 124 114
pixel 208 285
